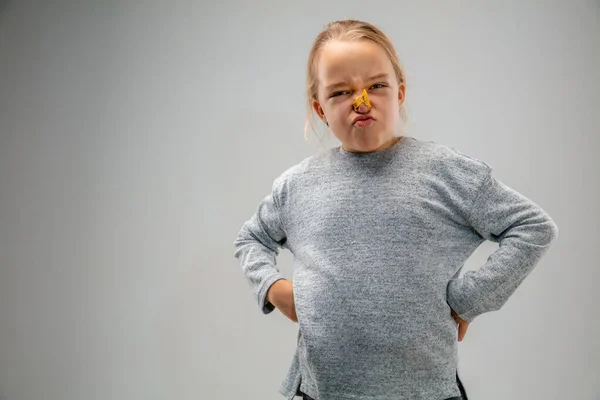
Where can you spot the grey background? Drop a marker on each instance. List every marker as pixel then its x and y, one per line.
pixel 131 153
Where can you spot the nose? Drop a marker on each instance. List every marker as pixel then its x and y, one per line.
pixel 362 101
pixel 362 108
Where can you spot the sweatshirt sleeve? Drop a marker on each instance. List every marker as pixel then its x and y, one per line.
pixel 256 247
pixel 524 232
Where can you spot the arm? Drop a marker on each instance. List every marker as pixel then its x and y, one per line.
pixel 256 246
pixel 524 232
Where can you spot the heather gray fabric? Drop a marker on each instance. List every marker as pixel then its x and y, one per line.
pixel 379 240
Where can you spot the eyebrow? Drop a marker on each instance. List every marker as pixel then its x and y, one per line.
pixel 378 76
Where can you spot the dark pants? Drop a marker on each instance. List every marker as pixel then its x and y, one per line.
pixel 463 394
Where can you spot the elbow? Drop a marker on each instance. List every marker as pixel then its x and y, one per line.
pixel 548 230
pixel 545 228
pixel 552 230
pixel 540 232
pixel 243 237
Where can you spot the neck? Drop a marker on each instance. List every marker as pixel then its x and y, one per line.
pixel 386 145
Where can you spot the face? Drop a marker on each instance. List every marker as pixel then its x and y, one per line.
pixel 344 69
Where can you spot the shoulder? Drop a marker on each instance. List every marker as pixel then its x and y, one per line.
pixel 284 183
pixel 451 162
pixel 301 176
pixel 315 164
pixel 292 173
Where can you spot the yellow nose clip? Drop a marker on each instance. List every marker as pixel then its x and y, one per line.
pixel 362 99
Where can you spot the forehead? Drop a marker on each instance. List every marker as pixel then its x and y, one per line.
pixel 351 61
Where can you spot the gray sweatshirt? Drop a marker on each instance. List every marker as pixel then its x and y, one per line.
pixel 378 242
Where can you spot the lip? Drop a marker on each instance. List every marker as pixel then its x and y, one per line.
pixel 362 118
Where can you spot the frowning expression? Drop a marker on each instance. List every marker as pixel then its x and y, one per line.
pixel 344 70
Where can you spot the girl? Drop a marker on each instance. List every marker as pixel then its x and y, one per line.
pixel 380 228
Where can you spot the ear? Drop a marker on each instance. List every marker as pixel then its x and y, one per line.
pixel 317 107
pixel 401 93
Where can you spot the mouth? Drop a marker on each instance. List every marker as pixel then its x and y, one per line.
pixel 363 120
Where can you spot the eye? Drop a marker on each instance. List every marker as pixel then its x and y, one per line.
pixel 334 94
pixel 377 86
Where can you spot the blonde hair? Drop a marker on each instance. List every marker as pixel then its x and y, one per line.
pixel 348 30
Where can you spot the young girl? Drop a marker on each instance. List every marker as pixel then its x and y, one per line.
pixel 380 228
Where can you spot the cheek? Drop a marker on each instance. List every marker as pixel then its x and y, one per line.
pixel 388 103
pixel 340 108
pixel 384 97
pixel 344 104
